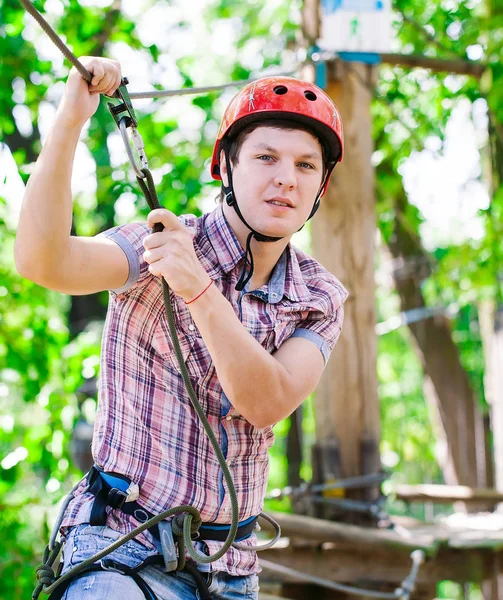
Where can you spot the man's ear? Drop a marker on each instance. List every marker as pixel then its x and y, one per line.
pixel 223 169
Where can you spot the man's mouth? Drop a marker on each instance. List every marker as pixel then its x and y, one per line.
pixel 278 202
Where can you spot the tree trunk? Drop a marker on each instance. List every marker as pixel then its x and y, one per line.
pixel 459 415
pixel 343 237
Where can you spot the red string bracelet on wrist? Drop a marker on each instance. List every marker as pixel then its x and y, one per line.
pixel 206 288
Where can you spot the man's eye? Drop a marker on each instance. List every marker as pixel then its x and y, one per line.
pixel 306 165
pixel 265 157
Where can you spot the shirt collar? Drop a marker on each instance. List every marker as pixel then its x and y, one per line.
pixel 295 287
pixel 286 278
pixel 228 250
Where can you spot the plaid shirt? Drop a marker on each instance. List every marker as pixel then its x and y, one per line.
pixel 146 427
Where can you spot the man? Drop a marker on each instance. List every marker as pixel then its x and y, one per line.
pixel 256 318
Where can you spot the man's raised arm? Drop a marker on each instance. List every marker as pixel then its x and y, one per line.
pixel 45 252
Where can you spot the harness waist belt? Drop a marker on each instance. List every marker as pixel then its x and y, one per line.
pixel 111 489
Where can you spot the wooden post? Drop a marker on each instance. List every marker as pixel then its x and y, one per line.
pixel 343 234
pixel 343 239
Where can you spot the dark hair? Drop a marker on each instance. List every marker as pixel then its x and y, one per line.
pixel 237 141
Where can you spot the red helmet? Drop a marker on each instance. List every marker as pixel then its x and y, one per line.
pixel 285 98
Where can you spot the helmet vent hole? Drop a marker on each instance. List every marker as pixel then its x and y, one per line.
pixel 280 90
pixel 310 95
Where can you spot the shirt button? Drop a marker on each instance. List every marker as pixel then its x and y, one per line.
pixel 274 295
pixel 229 417
pixel 191 327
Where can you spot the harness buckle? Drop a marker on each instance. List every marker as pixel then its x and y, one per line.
pixel 116 498
pixel 109 564
pixel 133 492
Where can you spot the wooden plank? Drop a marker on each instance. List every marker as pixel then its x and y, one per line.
pixel 328 531
pixel 461 531
pixel 472 538
pixel 463 67
pixel 368 567
pixel 445 494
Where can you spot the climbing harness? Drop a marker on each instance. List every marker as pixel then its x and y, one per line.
pixel 117 492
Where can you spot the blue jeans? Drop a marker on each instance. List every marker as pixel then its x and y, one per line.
pixel 84 541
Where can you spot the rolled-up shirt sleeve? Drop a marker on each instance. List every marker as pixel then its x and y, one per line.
pixel 323 327
pixel 130 239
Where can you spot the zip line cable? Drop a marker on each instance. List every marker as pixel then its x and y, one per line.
pixel 321 59
pixel 204 90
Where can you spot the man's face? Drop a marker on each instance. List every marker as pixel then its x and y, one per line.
pixel 276 179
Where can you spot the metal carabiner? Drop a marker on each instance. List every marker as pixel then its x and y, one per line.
pixel 125 117
pixel 138 144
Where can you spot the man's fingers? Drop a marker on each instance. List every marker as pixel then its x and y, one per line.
pixel 96 68
pixel 105 83
pixel 154 254
pixel 106 74
pixel 116 83
pixel 166 217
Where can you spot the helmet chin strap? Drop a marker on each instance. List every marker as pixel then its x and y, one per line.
pixel 230 199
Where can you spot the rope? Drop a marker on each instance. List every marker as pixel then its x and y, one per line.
pixel 62 510
pixel 183 526
pixel 150 193
pixel 45 574
pixel 268 544
pixel 62 47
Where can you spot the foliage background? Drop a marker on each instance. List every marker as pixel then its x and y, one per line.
pixel 49 347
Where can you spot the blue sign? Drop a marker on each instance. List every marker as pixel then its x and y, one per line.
pixel 331 6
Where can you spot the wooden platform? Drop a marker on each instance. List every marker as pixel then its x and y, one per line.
pixel 461 548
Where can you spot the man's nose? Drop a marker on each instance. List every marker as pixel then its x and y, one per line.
pixel 285 176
